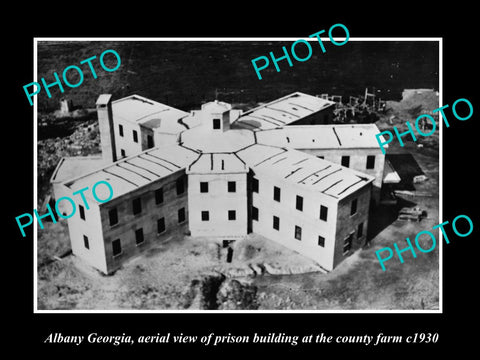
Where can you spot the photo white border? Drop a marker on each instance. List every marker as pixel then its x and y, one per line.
pixel 100 39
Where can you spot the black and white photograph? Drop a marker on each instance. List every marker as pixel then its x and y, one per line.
pixel 180 181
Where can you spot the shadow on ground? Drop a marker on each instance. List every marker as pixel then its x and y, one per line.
pixel 407 168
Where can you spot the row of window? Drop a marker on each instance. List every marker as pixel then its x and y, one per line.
pixel 298 231
pixel 231 187
pixel 137 202
pixel 299 201
pixel 113 216
pixel 134 133
pixel 180 189
pixel 232 215
pixel 150 143
pixel 370 161
pixel 139 237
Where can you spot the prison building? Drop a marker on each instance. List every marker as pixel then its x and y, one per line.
pixel 149 205
pixel 294 109
pixel 135 124
pixel 217 196
pixel 353 146
pixel 310 205
pixel 211 179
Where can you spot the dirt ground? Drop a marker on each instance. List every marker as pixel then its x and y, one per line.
pixel 193 273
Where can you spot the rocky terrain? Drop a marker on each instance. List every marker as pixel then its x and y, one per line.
pixel 77 136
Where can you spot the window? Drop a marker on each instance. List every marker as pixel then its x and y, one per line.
pixel 254 213
pixel 299 204
pixel 360 230
pixel 149 141
pixel 370 161
pixel 122 153
pixel 160 225
pixel 298 232
pixel 180 186
pixel 159 196
pixel 321 241
pixel 205 216
pixel 276 193
pixel 85 242
pixel 232 186
pixel 113 216
pixel 323 213
pixel 346 161
pixel 276 223
pixel 255 185
pixel 347 245
pixel 139 236
pixel 137 206
pixel 232 215
pixel 82 212
pixel 135 136
pixel 216 124
pixel 353 209
pixel 204 187
pixel 116 247
pixel 120 130
pixel 181 215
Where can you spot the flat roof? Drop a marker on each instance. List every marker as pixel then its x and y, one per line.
pixel 345 136
pixel 133 172
pixel 304 170
pixel 70 167
pixel 282 111
pixel 203 139
pixel 217 163
pixel 149 113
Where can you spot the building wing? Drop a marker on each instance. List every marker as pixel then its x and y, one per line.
pixel 134 172
pixel 283 111
pixel 304 170
pixel 354 136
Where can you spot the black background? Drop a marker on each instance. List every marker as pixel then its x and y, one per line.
pixel 457 329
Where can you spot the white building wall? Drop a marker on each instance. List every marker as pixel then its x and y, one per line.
pixel 163 139
pixel 60 190
pixel 126 142
pixel 90 227
pixel 308 219
pixel 218 201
